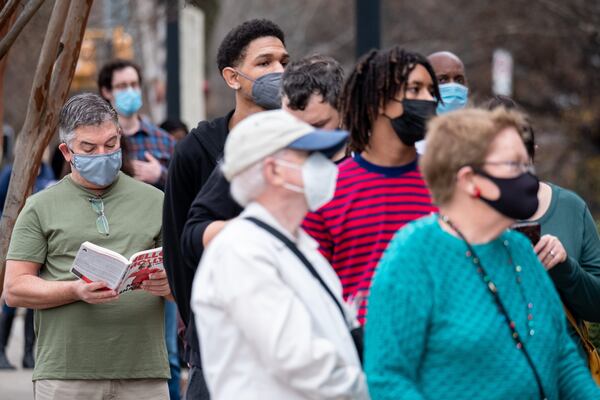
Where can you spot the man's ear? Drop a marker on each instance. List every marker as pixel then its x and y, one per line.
pixel 64 149
pixel 231 77
pixel 271 172
pixel 284 102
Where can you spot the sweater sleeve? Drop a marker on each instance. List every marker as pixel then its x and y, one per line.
pixel 185 171
pixel 578 281
pixel 400 304
pixel 211 204
pixel 573 376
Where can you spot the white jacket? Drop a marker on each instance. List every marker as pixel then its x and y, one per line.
pixel 267 328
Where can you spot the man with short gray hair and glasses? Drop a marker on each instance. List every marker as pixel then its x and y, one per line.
pixel 92 342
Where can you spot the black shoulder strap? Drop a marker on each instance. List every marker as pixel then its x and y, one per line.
pixel 294 249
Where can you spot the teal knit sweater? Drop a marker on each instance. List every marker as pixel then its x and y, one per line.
pixel 434 332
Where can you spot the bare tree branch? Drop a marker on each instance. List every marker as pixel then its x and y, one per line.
pixel 8 10
pixel 29 147
pixel 4 27
pixel 28 12
pixel 576 19
pixel 64 69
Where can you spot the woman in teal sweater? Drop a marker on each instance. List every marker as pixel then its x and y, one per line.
pixel 461 308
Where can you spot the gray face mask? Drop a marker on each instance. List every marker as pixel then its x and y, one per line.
pixel 266 90
pixel 99 169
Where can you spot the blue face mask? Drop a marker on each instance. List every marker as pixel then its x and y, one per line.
pixel 128 101
pixel 99 169
pixel 454 96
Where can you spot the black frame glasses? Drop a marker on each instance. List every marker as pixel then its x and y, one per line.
pixel 514 166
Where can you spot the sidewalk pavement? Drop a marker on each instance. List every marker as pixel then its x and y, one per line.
pixel 16 384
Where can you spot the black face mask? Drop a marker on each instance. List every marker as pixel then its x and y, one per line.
pixel 410 126
pixel 518 196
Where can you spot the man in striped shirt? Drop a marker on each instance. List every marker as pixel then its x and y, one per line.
pixel 385 104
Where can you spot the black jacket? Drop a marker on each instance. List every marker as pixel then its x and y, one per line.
pixel 194 159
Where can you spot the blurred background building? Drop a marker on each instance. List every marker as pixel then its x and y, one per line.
pixel 547 53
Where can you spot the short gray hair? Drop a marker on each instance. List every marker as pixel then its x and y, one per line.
pixel 85 109
pixel 248 184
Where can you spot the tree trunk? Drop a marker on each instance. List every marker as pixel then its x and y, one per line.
pixel 7 18
pixel 54 74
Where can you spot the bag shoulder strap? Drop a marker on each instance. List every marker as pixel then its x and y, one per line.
pixel 294 249
pixel 580 332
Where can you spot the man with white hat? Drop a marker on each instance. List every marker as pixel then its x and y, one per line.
pixel 268 306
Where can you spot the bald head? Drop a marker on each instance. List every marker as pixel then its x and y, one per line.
pixel 448 68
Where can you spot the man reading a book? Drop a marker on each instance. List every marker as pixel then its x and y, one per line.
pixel 91 341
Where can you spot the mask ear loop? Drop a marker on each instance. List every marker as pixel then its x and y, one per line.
pixel 245 76
pixel 289 164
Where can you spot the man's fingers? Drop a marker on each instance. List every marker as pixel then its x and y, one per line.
pixel 102 294
pixel 154 287
pixel 163 292
pixel 92 286
pixel 150 157
pixel 158 275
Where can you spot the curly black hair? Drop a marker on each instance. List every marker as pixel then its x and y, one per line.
pixel 233 47
pixel 315 74
pixel 376 79
pixel 106 73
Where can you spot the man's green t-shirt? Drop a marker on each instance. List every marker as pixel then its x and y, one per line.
pixel 123 339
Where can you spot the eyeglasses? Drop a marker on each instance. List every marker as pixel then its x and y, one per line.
pixel 513 167
pixel 101 221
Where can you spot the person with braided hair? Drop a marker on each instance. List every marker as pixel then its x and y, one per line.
pixel 385 104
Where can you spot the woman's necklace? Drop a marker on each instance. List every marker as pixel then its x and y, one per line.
pixel 494 291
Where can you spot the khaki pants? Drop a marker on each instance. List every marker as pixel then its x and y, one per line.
pixel 114 389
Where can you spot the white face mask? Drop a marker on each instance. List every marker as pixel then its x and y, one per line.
pixel 319 175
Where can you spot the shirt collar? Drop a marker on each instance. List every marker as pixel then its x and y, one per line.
pixel 256 210
pixel 145 127
pixel 105 192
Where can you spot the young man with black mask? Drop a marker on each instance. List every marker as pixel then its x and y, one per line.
pixel 311 89
pixel 250 59
pixel 386 102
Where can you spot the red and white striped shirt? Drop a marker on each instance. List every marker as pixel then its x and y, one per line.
pixel 370 204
